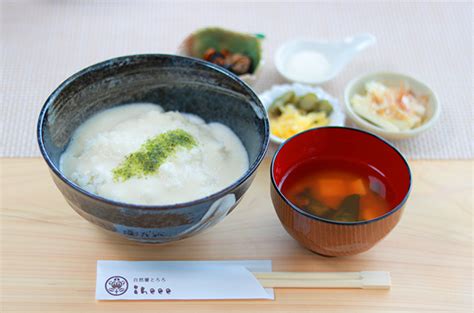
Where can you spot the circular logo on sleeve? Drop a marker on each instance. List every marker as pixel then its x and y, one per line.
pixel 116 285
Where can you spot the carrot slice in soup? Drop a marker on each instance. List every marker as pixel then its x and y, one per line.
pixel 372 206
pixel 358 186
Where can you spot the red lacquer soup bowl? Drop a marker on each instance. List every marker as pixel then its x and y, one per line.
pixel 329 237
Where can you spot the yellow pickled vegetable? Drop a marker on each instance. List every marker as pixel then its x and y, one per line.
pixel 292 121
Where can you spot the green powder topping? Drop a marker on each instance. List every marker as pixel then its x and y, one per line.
pixel 152 154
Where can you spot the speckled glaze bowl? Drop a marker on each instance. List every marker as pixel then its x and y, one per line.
pixel 176 83
pixel 329 237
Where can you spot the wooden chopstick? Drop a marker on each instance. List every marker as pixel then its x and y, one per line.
pixel 363 280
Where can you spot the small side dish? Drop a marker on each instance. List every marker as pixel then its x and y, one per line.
pixel 295 108
pixel 240 53
pixel 290 114
pixel 392 105
pixel 310 61
pixel 394 108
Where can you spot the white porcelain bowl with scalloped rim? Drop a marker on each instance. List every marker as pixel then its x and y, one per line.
pixel 336 118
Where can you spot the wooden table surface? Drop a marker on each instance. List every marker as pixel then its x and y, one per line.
pixel 49 253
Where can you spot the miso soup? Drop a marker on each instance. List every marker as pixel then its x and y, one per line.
pixel 338 190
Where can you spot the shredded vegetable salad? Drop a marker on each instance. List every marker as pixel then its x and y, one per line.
pixel 391 108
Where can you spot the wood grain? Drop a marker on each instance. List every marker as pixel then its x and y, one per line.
pixel 49 253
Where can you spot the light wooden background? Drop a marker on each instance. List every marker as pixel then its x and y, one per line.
pixel 49 253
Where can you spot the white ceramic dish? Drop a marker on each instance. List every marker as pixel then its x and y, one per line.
pixel 337 116
pixel 357 85
pixel 338 54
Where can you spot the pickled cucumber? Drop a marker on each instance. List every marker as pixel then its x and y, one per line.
pixel 276 108
pixel 324 106
pixel 308 102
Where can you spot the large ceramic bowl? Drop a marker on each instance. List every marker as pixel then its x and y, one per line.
pixel 176 83
pixel 329 237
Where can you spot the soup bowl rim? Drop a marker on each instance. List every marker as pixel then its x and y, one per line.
pixel 317 218
pixel 180 205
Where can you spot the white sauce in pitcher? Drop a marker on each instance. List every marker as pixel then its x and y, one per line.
pixel 105 140
pixel 307 66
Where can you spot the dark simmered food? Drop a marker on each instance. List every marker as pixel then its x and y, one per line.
pixel 237 63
